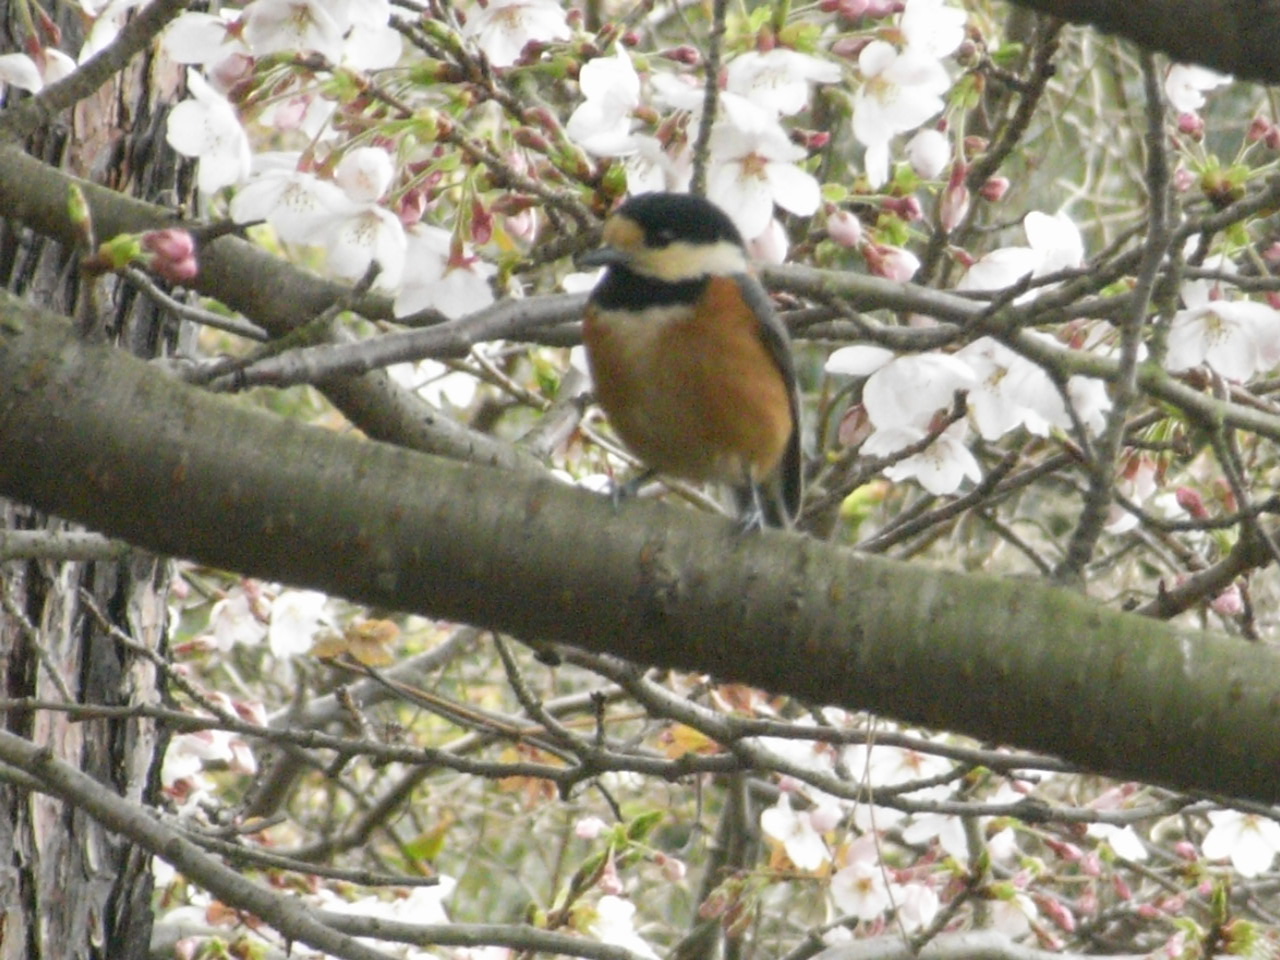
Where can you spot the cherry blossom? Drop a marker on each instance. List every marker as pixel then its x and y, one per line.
pixel 601 124
pixel 295 203
pixel 1250 840
pixel 201 38
pixel 1234 337
pixel 1011 391
pixel 614 923
pixel 903 390
pixel 19 70
pixel 1054 243
pixel 232 620
pixel 439 385
pixel 1123 840
pixel 453 283
pixel 296 616
pixel 900 91
pixel 778 81
pixel 771 246
pixel 365 173
pixel 859 888
pixel 272 26
pixel 1185 86
pixel 844 228
pixel 206 127
pixel 356 237
pixel 931 27
pixel 504 27
pixel 796 832
pixel 917 905
pixel 1012 914
pixel 754 167
pixel 940 468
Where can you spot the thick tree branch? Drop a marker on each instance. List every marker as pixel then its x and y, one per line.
pixel 271 292
pixel 99 437
pixel 1240 37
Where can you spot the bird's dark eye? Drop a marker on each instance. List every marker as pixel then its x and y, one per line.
pixel 662 236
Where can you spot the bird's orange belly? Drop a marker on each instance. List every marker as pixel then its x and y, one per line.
pixel 698 398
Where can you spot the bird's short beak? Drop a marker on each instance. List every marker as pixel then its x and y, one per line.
pixel 603 257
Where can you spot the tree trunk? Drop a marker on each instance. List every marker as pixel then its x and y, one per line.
pixel 68 888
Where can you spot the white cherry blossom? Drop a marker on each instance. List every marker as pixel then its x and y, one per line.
pixel 940 468
pixel 19 70
pixel 274 26
pixel 614 923
pixel 206 127
pixel 365 173
pixel 779 80
pixel 753 167
pixel 296 616
pixel 1011 391
pixel 796 832
pixel 932 27
pixel 505 27
pixel 453 285
pixel 1249 840
pixel 1235 337
pixel 1186 85
pixel 296 203
pixel 900 91
pixel 601 124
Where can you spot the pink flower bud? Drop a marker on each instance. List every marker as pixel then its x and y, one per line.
pixel 1183 179
pixel 412 206
pixel 588 828
pixel 1058 912
pixel 171 243
pixel 684 53
pixel 994 189
pixel 955 199
pixel 908 207
pixel 1272 138
pixel 1191 125
pixel 1258 128
pixel 844 228
pixel 1229 603
pixel 892 263
pixel 609 881
pixel 1121 887
pixel 173 254
pixel 481 223
pixel 849 47
pixel 1191 501
pixel 853 9
pixel 672 868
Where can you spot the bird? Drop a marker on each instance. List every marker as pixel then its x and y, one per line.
pixel 691 365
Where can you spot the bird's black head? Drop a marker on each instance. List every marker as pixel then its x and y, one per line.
pixel 670 237
pixel 666 218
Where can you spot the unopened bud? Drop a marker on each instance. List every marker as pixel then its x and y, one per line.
pixel 1191 125
pixel 994 189
pixel 844 228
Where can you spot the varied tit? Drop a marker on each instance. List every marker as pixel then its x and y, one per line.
pixel 690 362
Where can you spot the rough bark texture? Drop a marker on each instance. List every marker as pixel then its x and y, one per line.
pixel 68 888
pixel 189 473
